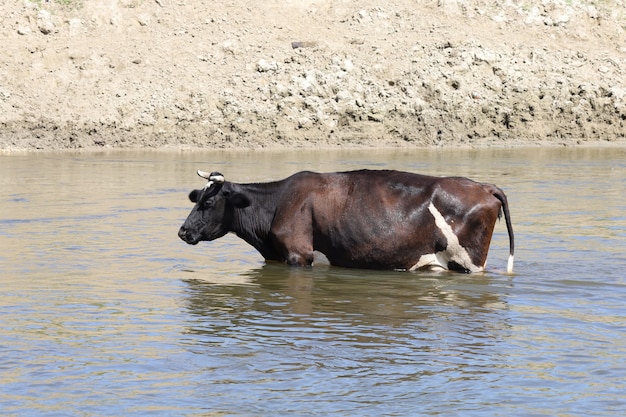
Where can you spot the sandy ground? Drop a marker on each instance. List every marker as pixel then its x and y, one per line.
pixel 311 73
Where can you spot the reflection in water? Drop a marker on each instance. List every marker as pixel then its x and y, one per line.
pixel 331 290
pixel 390 334
pixel 105 311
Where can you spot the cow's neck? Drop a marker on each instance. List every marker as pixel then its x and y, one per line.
pixel 253 223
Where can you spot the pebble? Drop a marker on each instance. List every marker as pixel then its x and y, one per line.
pixel 266 66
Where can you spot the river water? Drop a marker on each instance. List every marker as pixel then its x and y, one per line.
pixel 105 311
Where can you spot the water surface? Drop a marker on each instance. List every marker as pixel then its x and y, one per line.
pixel 104 311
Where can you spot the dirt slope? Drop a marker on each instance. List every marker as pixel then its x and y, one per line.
pixel 307 73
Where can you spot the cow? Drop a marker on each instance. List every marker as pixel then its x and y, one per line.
pixel 370 219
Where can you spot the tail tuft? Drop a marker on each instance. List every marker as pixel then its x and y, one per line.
pixel 509 265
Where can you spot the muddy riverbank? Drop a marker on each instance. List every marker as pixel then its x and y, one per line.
pixel 284 74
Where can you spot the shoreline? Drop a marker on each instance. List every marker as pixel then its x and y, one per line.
pixel 620 144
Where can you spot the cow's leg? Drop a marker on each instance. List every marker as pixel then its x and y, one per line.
pixel 299 258
pixel 296 252
pixel 458 254
pixel 477 231
pixel 294 241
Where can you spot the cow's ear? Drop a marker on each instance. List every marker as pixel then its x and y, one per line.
pixel 194 196
pixel 239 200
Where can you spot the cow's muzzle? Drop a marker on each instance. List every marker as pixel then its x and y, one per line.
pixel 185 235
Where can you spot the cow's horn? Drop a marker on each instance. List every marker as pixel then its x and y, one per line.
pixel 204 175
pixel 213 176
pixel 217 177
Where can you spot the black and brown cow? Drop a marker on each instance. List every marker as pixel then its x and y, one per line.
pixel 361 219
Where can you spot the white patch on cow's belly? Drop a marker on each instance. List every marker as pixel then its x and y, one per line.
pixel 432 261
pixel 454 252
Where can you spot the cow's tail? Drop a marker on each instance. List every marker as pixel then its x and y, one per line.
pixel 499 194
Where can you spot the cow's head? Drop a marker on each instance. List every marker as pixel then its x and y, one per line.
pixel 214 209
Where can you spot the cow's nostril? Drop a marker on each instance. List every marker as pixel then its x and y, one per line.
pixel 182 233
